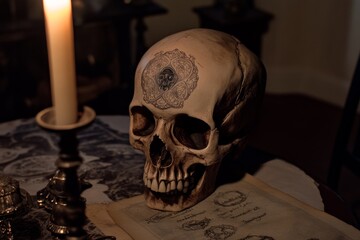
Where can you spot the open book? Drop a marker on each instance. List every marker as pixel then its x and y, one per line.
pixel 245 210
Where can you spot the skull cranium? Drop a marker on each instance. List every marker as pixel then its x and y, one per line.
pixel 196 96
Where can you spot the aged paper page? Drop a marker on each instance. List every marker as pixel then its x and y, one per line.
pixel 248 209
pixel 99 216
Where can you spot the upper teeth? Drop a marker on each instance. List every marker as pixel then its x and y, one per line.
pixel 167 186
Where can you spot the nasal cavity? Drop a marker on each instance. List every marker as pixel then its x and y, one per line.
pixel 160 157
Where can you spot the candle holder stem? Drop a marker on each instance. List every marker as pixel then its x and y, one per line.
pixel 62 195
pixel 70 212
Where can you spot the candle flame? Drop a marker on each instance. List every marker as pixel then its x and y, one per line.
pixel 56 4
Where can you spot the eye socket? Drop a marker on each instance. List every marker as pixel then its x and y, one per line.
pixel 191 132
pixel 143 121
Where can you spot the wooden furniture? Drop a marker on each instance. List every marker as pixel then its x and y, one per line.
pixel 248 27
pixel 346 151
pixel 23 56
pixel 121 16
pixel 343 154
pixel 16 82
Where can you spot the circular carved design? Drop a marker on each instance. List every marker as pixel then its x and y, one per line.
pixel 220 232
pixel 169 79
pixel 230 198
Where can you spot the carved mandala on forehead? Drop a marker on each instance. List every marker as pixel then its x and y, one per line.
pixel 169 79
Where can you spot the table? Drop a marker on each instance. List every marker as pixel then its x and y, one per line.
pixel 111 165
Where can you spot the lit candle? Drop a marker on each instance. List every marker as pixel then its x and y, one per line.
pixel 60 42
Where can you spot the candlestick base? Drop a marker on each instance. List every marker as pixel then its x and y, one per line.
pixel 49 196
pixel 62 195
pixel 14 203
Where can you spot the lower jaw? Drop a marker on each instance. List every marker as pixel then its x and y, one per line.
pixel 177 200
pixel 165 202
pixel 170 197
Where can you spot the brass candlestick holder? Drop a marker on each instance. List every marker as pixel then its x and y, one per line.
pixel 62 195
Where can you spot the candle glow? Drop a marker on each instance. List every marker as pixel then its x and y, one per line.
pixel 60 42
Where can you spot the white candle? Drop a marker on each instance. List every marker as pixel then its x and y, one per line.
pixel 60 42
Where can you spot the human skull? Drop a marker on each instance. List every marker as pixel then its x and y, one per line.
pixel 196 96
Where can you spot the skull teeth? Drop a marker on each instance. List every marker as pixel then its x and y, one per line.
pixel 172 185
pixel 154 186
pixel 179 186
pixel 162 187
pixel 168 186
pixel 164 184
